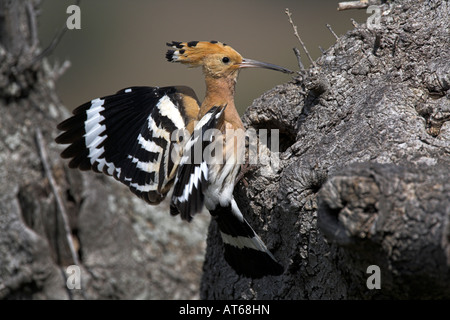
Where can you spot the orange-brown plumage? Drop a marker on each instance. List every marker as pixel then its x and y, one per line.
pixel 220 64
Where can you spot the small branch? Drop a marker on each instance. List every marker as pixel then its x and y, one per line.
pixel 55 41
pixel 33 25
pixel 332 32
pixel 354 23
pixel 361 4
pixel 59 202
pixel 299 59
pixel 349 5
pixel 394 47
pixel 288 13
pixel 59 70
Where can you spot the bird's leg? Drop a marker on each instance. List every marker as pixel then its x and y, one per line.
pixel 246 167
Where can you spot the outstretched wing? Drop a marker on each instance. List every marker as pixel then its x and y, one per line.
pixel 129 136
pixel 192 176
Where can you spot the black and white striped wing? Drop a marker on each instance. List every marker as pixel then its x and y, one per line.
pixel 129 136
pixel 192 176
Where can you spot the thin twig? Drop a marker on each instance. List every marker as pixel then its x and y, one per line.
pixel 349 5
pixel 362 4
pixel 288 13
pixel 55 190
pixel 332 32
pixel 56 39
pixel 33 25
pixel 354 23
pixel 59 70
pixel 299 59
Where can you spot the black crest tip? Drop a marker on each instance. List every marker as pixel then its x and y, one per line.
pixel 169 55
pixel 175 44
pixel 192 43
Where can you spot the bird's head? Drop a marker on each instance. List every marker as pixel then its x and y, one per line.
pixel 217 59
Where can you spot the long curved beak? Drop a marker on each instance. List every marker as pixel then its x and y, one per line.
pixel 249 63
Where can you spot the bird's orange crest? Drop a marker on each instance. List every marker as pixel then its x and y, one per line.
pixel 217 59
pixel 194 53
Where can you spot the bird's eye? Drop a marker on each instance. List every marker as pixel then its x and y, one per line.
pixel 225 59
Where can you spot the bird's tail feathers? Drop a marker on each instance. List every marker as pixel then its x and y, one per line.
pixel 245 252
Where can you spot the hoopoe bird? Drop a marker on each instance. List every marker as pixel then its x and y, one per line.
pixel 147 137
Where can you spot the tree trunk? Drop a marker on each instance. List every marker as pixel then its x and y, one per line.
pixel 126 249
pixel 363 176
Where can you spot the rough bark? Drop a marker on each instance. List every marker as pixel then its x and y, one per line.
pixel 127 249
pixel 363 176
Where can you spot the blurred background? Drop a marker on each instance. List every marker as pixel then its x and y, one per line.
pixel 123 43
